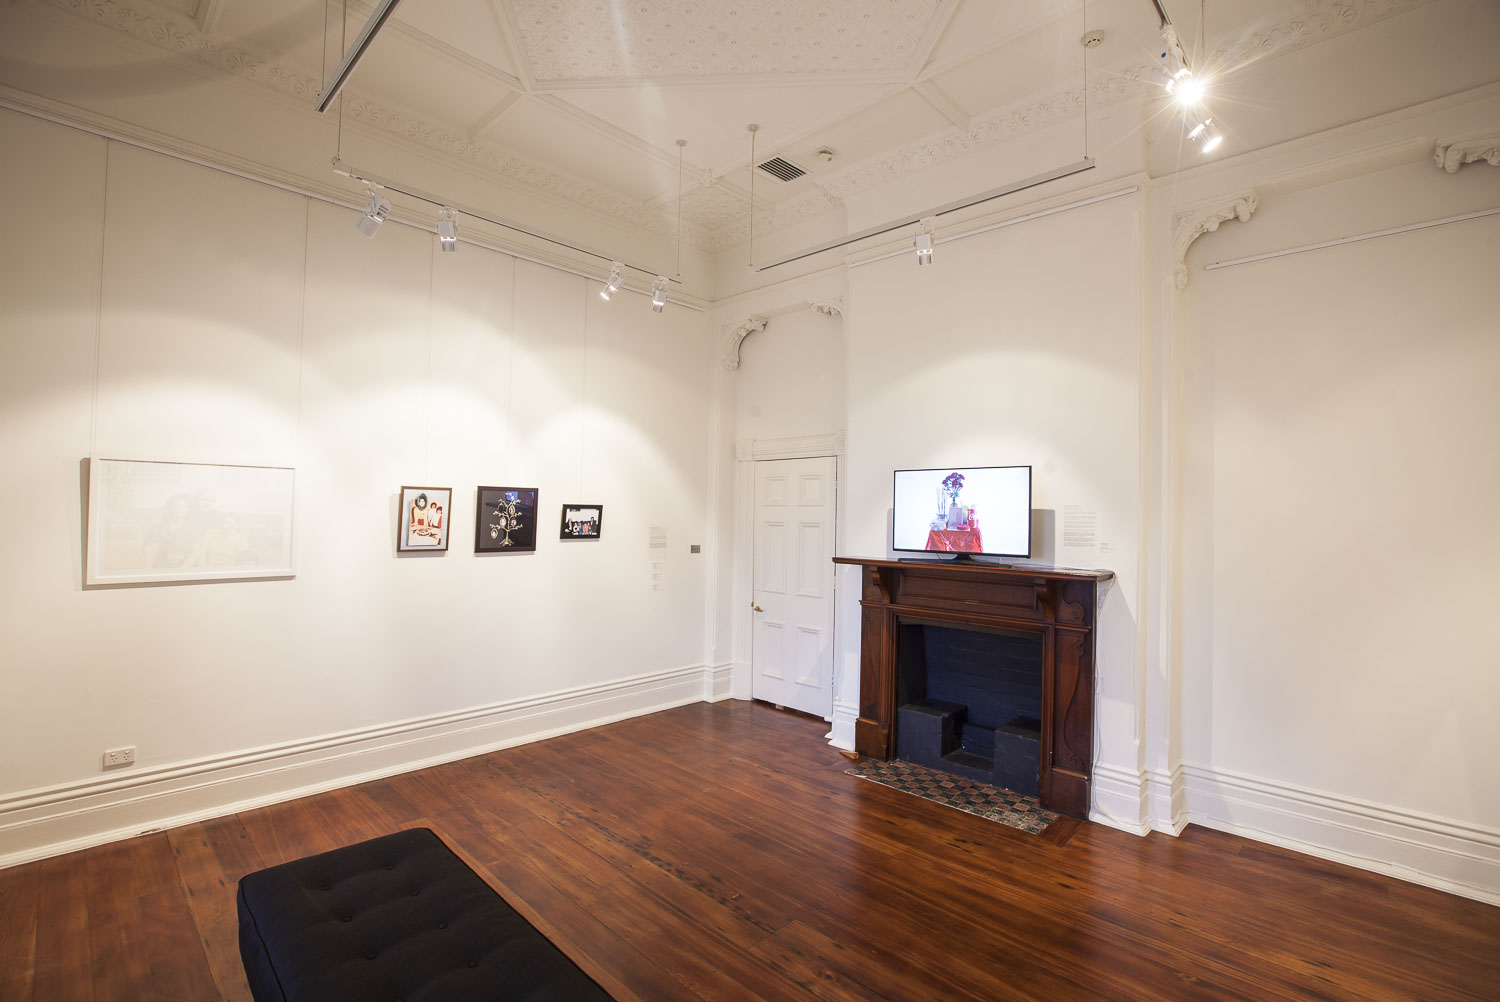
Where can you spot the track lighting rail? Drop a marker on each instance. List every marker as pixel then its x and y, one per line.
pixel 356 52
pixel 1087 163
pixel 367 177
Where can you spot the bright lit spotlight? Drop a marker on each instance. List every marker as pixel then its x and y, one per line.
pixel 1189 91
pixel 1201 132
pixel 1176 76
pixel 923 243
pixel 447 229
pixel 615 282
pixel 659 294
pixel 375 212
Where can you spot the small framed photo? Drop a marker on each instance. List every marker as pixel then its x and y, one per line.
pixel 505 520
pixel 582 521
pixel 423 521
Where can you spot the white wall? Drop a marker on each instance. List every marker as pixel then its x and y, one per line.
pixel 1020 345
pixel 790 381
pixel 240 323
pixel 1339 533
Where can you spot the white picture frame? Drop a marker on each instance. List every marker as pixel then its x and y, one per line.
pixel 152 522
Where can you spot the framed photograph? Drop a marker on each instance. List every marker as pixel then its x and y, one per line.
pixel 161 521
pixel 423 521
pixel 505 520
pixel 582 521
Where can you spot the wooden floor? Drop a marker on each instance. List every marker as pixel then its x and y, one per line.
pixel 719 852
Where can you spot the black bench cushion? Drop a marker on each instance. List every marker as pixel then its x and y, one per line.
pixel 397 917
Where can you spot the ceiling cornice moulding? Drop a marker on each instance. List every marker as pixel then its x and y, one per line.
pixel 724 220
pixel 450 140
pixel 1318 21
pixel 990 130
pixel 781 218
pixel 1454 153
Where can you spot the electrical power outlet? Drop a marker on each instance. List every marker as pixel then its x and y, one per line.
pixel 116 757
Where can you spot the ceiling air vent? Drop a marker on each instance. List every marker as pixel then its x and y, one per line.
pixel 783 169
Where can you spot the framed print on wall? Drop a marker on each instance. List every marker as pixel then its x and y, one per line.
pixel 151 522
pixel 423 519
pixel 582 521
pixel 505 520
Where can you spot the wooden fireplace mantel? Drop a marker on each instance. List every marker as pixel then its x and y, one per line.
pixel 1058 603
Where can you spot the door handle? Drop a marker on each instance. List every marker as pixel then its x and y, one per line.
pixel 756 607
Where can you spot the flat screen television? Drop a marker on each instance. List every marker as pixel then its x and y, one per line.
pixel 978 511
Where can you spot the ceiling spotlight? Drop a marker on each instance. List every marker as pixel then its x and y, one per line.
pixel 1190 91
pixel 1174 69
pixel 447 226
pixel 659 294
pixel 615 282
pixel 1201 132
pixel 375 212
pixel 924 242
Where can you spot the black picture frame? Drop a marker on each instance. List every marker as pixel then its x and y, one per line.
pixel 505 520
pixel 581 521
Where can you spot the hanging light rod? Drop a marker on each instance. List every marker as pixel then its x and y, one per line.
pixel 356 53
pixel 1087 163
pixel 339 167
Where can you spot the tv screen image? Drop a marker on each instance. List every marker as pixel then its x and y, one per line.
pixel 982 510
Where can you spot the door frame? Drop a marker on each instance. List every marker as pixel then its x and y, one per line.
pixel 748 452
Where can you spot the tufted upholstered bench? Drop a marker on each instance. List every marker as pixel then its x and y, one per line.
pixel 396 918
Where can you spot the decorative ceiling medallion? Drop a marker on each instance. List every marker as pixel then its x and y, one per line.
pixel 630 39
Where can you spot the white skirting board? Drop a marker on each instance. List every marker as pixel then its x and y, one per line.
pixel 1119 799
pixel 717 681
pixel 841 734
pixel 1422 848
pixel 35 824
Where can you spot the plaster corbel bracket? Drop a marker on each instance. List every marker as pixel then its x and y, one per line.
pixel 829 307
pixel 1191 223
pixel 751 325
pixel 1454 153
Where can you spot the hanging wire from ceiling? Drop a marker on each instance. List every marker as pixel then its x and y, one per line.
pixel 752 128
pixel 1086 47
pixel 681 145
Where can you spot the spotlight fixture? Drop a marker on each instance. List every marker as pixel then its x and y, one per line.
pixel 447 229
pixel 924 241
pixel 659 294
pixel 375 212
pixel 615 282
pixel 1201 131
pixel 1179 80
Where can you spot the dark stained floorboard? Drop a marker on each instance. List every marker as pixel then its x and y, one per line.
pixel 718 853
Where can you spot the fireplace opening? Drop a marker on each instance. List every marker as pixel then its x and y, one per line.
pixel 969 702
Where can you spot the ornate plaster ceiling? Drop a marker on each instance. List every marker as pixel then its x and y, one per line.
pixel 632 39
pixel 458 80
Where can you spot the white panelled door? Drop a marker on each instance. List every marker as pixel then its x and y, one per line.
pixel 791 652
